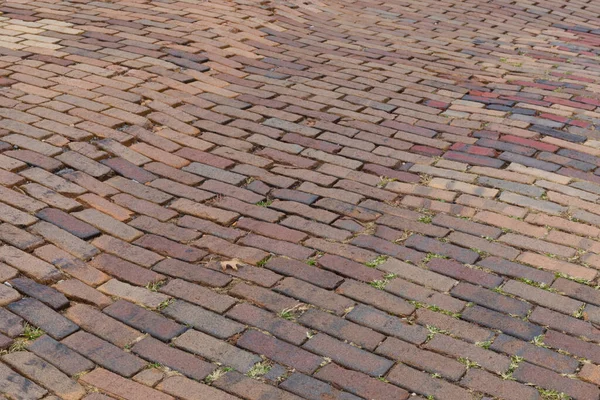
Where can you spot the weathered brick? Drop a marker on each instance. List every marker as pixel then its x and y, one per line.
pixel 101 325
pixel 213 349
pixel 313 295
pixel 115 385
pixel 423 383
pixel 37 314
pixel 348 356
pixel 203 320
pixel 495 320
pixel 45 373
pixel 158 352
pixel 360 384
pixel 263 297
pixel 104 354
pixel 45 294
pixel 124 270
pixel 313 389
pixel 240 385
pixel 387 324
pixel 433 246
pixel 529 373
pixel 144 320
pixel 485 382
pixel 414 356
pixel 67 222
pixel 279 351
pixel 29 265
pixel 535 354
pixel 349 268
pixel 490 299
pixel 279 327
pixel 369 295
pixel 199 295
pixel 303 271
pixel 418 275
pixel 187 389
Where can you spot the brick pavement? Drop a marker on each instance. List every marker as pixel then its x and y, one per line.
pixel 410 188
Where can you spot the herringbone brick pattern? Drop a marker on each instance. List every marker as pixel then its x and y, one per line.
pixel 287 199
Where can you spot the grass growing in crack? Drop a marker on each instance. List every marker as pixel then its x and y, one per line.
pixel 381 284
pixel 377 261
pixel 154 365
pixel 572 278
pixel 514 363
pixel 434 330
pixel 426 219
pixel 216 374
pixel 259 369
pixel 435 308
pixel 431 256
pixel 264 261
pixel 468 363
pixel 311 261
pixel 287 314
pixel 548 394
pixel 265 203
pixel 165 304
pixel 31 332
pixel 539 285
pixel 580 313
pixel 484 345
pixel 384 180
pixel 539 341
pixel 154 286
pixel 291 313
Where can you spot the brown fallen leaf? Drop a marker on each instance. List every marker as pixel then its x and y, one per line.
pixel 233 264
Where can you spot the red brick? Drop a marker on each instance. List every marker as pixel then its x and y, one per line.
pixel 361 384
pixel 144 320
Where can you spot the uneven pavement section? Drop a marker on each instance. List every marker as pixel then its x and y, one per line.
pixel 408 191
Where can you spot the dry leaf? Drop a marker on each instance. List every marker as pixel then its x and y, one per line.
pixel 233 264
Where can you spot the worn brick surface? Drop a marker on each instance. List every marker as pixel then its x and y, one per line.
pixel 426 166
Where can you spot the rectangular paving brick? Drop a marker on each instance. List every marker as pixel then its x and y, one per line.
pixel 156 351
pixel 495 320
pixel 429 361
pixel 203 320
pixel 59 355
pixel 115 385
pixel 124 270
pixel 240 385
pixel 46 374
pixel 105 354
pixel 387 324
pixel 490 299
pixel 348 356
pixel 187 389
pixel 144 320
pixel 199 295
pixel 216 350
pixel 279 351
pixel 43 317
pixel 369 295
pixel 313 389
pixel 17 386
pixel 313 295
pixel 101 325
pixel 262 319
pixel 360 384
